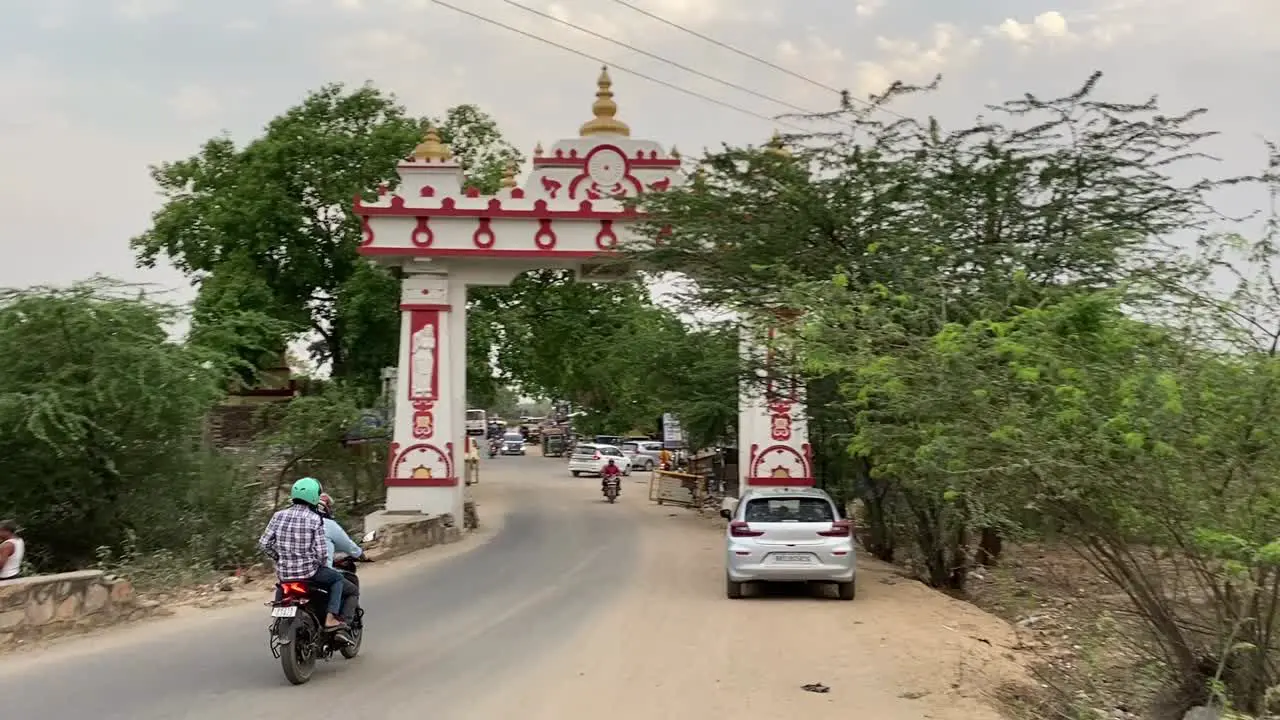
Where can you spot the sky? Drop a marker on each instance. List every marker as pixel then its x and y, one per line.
pixel 92 92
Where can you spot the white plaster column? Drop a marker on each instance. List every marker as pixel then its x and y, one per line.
pixel 424 474
pixel 457 390
pixel 773 431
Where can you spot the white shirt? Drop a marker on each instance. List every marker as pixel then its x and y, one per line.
pixel 13 565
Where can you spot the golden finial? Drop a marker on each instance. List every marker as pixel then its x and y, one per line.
pixel 775 146
pixel 604 122
pixel 509 178
pixel 431 148
pixel 675 153
pixel 537 149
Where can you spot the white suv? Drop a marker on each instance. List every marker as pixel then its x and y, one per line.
pixel 786 534
pixel 591 459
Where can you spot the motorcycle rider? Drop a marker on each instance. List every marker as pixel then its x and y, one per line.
pixel 610 471
pixel 337 539
pixel 295 542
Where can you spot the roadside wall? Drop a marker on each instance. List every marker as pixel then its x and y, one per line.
pixel 36 605
pixel 401 537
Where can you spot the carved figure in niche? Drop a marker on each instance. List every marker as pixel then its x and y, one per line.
pixel 424 361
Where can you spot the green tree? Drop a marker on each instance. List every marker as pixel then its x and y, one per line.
pixel 103 415
pixel 275 214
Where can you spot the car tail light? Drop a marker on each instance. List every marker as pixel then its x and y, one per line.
pixel 839 528
pixel 292 589
pixel 739 528
pixel 596 456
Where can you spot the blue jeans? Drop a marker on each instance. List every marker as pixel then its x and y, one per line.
pixel 331 579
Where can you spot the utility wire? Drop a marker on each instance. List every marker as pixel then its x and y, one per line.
pixel 659 58
pixel 615 66
pixel 756 58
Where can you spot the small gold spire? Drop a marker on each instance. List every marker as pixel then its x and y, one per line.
pixel 537 149
pixel 675 153
pixel 431 148
pixel 605 109
pixel 509 178
pixel 775 146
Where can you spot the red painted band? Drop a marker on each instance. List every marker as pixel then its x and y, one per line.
pixel 780 481
pixel 421 482
pixel 469 252
pixel 426 306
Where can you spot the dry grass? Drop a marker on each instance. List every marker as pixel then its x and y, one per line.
pixel 1076 625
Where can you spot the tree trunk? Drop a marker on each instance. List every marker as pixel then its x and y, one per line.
pixel 990 545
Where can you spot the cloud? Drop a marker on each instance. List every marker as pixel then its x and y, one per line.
pixel 143 10
pixel 1049 25
pixel 867 8
pixel 195 102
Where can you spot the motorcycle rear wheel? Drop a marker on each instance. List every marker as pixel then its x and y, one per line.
pixel 298 654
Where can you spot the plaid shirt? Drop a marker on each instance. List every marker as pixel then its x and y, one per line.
pixel 294 539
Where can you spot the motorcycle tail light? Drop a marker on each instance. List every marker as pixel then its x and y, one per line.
pixel 293 589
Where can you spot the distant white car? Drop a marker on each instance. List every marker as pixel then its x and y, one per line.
pixel 786 534
pixel 643 454
pixel 591 459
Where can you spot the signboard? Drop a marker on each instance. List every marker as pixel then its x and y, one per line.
pixel 672 436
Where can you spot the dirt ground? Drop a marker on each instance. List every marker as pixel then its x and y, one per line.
pixel 1071 623
pixel 677 648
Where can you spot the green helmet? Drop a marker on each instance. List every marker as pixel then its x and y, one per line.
pixel 307 490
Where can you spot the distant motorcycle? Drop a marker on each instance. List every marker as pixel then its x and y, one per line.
pixel 611 487
pixel 494 447
pixel 298 636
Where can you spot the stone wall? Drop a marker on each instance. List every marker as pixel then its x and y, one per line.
pixel 398 537
pixel 39 604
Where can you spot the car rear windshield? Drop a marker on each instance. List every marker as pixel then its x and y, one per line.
pixel 514 437
pixel 585 450
pixel 804 509
pixel 630 447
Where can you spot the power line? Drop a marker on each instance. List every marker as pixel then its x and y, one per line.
pixel 659 58
pixel 727 46
pixel 756 58
pixel 615 66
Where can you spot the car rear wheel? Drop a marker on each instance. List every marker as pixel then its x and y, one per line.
pixel 575 473
pixel 847 590
pixel 732 590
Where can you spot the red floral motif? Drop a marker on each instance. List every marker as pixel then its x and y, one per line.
pixel 483 237
pixel 606 239
pixel 422 235
pixel 660 185
pixel 545 238
pixel 780 421
pixel 551 186
pixel 427 191
pixel 366 231
pixel 424 421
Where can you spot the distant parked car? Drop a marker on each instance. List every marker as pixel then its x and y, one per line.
pixel 786 534
pixel 643 454
pixel 513 444
pixel 590 459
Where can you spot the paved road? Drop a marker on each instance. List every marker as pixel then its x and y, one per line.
pixel 437 636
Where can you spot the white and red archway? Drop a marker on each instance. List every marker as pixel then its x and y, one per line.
pixel 569 214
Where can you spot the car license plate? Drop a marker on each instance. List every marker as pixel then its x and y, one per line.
pixel 792 557
pixel 285 611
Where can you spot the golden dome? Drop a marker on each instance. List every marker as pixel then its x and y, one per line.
pixel 431 148
pixel 775 146
pixel 604 122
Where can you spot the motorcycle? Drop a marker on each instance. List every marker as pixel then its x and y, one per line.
pixel 298 636
pixel 494 447
pixel 611 488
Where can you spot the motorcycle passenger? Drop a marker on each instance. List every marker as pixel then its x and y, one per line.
pixel 610 471
pixel 295 542
pixel 337 539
